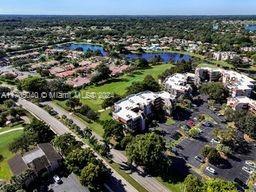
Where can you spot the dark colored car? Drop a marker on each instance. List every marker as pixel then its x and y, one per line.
pixel 200 159
pixel 240 183
pixel 207 124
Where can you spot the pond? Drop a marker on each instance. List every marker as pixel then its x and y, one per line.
pixel 250 28
pixel 84 47
pixel 165 57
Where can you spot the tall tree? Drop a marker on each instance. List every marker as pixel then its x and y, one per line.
pixel 151 84
pixel 215 91
pixel 77 159
pixel 146 150
pixel 66 143
pixel 94 174
pixel 113 129
pixel 193 184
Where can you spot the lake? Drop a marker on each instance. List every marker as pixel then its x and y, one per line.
pixel 165 57
pixel 85 47
pixel 251 28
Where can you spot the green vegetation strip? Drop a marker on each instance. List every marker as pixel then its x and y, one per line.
pixel 173 187
pixel 128 178
pixel 94 126
pixel 5 140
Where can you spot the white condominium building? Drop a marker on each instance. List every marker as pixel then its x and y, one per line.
pixel 178 84
pixel 242 102
pixel 238 84
pixel 134 110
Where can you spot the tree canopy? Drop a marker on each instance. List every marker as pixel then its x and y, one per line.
pixel 193 184
pixel 148 84
pixel 215 90
pixel 146 150
pixel 66 143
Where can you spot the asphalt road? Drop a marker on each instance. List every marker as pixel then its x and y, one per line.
pixel 61 129
pixel 148 182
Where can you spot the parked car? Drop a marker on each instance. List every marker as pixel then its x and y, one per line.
pixel 191 123
pixel 240 183
pixel 248 170
pixel 215 141
pixel 57 179
pixel 250 164
pixel 174 150
pixel 194 105
pixel 200 159
pixel 210 170
pixel 53 113
pixel 185 127
pixel 223 120
pixel 207 124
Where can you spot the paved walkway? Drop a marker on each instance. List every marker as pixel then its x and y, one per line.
pixel 12 130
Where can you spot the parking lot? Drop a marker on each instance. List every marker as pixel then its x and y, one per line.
pixel 188 148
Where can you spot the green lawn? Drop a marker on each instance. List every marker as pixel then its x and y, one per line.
pixel 215 63
pixel 3 129
pixel 5 140
pixel 94 126
pixel 170 121
pixel 120 84
pixel 173 187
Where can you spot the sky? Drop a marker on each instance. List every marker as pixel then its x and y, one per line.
pixel 128 7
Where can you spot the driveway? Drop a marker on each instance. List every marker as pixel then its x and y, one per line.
pixel 71 183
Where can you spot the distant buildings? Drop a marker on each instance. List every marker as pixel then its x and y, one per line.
pixel 135 110
pixel 78 82
pixel 224 56
pixel 248 49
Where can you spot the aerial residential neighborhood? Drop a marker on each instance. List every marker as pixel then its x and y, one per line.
pixel 128 96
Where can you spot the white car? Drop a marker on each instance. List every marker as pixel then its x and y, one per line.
pixel 215 141
pixel 250 164
pixel 248 170
pixel 210 170
pixel 57 179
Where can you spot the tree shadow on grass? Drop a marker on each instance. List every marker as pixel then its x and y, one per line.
pixel 116 80
pixel 177 172
pixel 181 114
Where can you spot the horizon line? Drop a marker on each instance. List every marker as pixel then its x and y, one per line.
pixel 18 14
